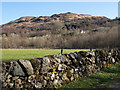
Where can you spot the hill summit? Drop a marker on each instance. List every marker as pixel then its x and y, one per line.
pixel 63 21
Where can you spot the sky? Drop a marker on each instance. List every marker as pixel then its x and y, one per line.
pixel 14 10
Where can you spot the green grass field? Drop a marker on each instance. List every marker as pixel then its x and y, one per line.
pixel 15 54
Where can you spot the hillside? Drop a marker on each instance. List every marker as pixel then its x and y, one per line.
pixel 65 30
pixel 64 21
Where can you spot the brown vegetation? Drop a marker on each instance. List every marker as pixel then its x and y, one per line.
pixel 87 40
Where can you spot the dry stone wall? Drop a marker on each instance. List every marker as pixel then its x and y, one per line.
pixel 56 70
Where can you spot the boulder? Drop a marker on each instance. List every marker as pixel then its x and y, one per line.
pixel 26 65
pixel 17 70
pixel 36 64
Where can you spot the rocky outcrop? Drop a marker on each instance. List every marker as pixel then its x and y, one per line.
pixel 56 70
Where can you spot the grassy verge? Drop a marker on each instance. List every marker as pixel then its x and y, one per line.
pixel 97 80
pixel 15 54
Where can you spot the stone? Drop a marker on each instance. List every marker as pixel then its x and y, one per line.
pixel 76 69
pixel 90 54
pixel 80 63
pixel 17 70
pixel 60 74
pixel 68 74
pixel 45 68
pixel 83 61
pixel 21 86
pixel 80 74
pixel 62 58
pixel 82 54
pixel 76 76
pixel 72 55
pixel 10 85
pixel 88 62
pixel 33 82
pixel 109 53
pixel 104 62
pixel 14 78
pixel 57 77
pixel 9 76
pixel 62 67
pixel 31 78
pixel 58 60
pixel 82 69
pixel 72 71
pixel 46 60
pixel 18 81
pixel 4 84
pixel 64 77
pixel 112 60
pixel 26 65
pixel 72 78
pixel 8 80
pixel 36 64
pixel 60 83
pixel 79 69
pixel 38 85
pixel 44 83
pixel 55 82
pixel 53 76
pixel 97 60
pixel 92 59
pixel 39 78
pixel 76 55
